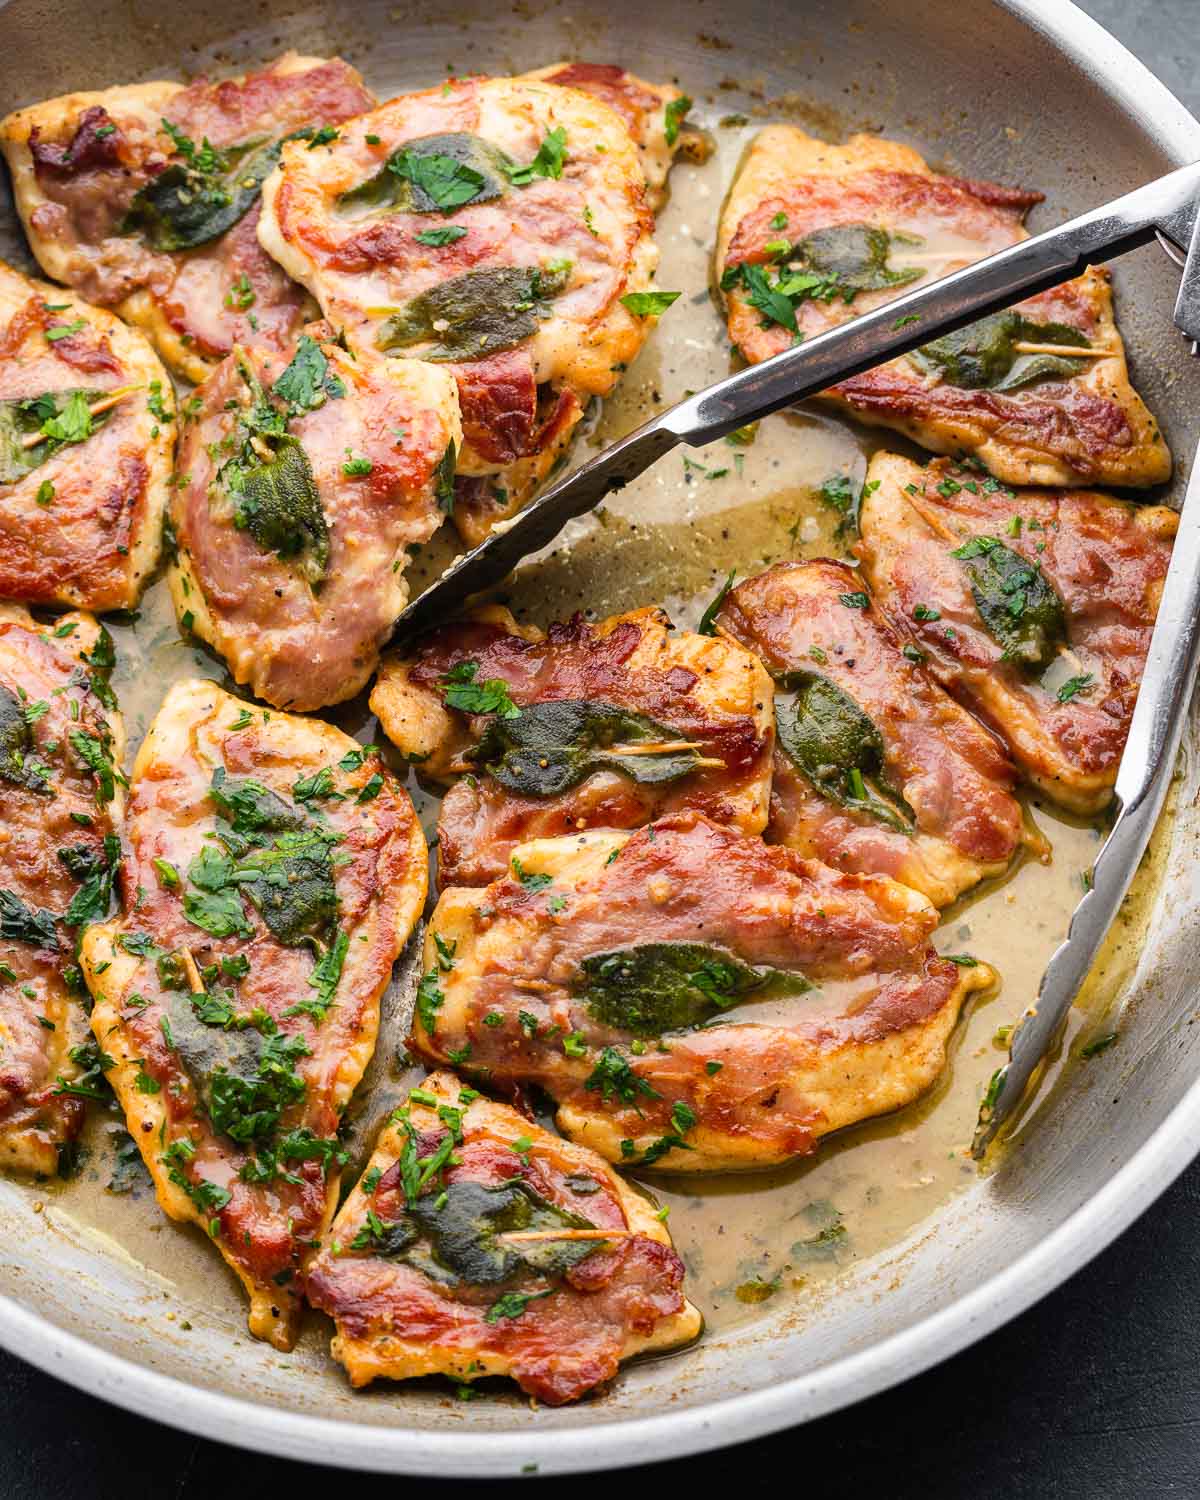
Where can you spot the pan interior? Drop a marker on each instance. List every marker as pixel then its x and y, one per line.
pixel 979 92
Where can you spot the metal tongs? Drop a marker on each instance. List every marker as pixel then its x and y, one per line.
pixel 1167 210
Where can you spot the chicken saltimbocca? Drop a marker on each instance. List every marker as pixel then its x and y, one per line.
pixel 877 770
pixel 146 198
pixel 303 482
pixel 498 227
pixel 61 790
pixel 1034 607
pixel 585 726
pixel 477 1243
pixel 690 998
pixel 275 870
pixel 814 234
pixel 87 434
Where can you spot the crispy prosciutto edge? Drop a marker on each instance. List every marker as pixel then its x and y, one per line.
pixel 118 543
pixel 934 749
pixel 775 1090
pixel 587 661
pixel 392 1322
pixel 275 1306
pixel 642 107
pixel 30 1140
pixel 1070 749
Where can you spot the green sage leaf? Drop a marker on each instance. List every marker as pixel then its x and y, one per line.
pixel 829 738
pixel 653 988
pixel 477 314
pixel 550 747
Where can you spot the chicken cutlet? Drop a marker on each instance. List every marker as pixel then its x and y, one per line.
pixel 813 235
pixel 492 226
pixel 586 726
pixel 303 482
pixel 274 872
pixel 690 998
pixel 146 198
pixel 1033 607
pixel 87 438
pixel 877 770
pixel 61 741
pixel 479 1244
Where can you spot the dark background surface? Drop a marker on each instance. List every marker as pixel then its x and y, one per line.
pixel 1093 1393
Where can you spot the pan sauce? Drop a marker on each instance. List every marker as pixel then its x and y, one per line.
pixel 672 536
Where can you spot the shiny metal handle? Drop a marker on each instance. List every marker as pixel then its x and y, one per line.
pixel 1142 783
pixel 1167 205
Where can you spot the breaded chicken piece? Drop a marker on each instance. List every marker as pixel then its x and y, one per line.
pixel 305 477
pixel 492 226
pixel 425 1270
pixel 843 228
pixel 543 734
pixel 877 770
pixel 599 966
pixel 87 439
pixel 275 871
pixel 146 198
pixel 61 741
pixel 1033 607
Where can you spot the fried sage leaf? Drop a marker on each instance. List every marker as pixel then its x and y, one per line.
pixel 479 313
pixel 652 988
pixel 291 884
pixel 454 1236
pixel 855 256
pixel 434 174
pixel 61 417
pixel 18 764
pixel 982 356
pixel 278 504
pixel 201 196
pixel 548 748
pixel 1016 602
pixel 252 810
pixel 837 746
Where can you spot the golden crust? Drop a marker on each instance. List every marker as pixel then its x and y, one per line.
pixel 32 1148
pixel 92 566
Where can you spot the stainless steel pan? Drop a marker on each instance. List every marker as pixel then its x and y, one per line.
pixel 1019 90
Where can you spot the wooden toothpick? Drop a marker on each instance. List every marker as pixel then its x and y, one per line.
pixel 1067 351
pixel 97 408
pixel 533 1236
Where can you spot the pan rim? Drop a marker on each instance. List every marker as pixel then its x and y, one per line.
pixel 844 1381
